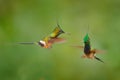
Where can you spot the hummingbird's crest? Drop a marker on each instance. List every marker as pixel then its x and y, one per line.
pixel 56 32
pixel 86 38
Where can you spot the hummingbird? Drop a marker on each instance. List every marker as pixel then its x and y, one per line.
pixel 47 41
pixel 88 52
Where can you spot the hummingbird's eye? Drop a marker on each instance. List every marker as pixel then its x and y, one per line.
pixel 62 31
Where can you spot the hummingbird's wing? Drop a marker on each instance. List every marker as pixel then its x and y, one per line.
pixel 56 32
pixel 96 51
pixel 57 40
pixel 82 47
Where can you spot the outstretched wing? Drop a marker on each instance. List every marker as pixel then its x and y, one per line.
pixel 96 51
pixel 82 47
pixel 56 32
pixel 57 40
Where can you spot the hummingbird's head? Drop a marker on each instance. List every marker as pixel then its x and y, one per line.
pixel 86 39
pixel 61 31
pixel 42 43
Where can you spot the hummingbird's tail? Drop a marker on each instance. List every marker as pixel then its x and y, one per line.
pixel 26 43
pixel 98 59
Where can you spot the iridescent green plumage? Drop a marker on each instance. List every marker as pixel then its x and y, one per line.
pixel 47 41
pixel 87 47
pixel 56 32
pixel 86 38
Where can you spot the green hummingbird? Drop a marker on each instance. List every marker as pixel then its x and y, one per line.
pixel 88 52
pixel 47 41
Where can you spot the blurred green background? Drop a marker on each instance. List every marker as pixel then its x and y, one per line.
pixel 31 20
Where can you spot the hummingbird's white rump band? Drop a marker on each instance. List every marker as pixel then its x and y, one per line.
pixel 43 42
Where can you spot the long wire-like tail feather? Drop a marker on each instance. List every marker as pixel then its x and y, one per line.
pixel 26 43
pixel 98 59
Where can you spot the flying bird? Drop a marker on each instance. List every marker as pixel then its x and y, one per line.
pixel 49 40
pixel 88 52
